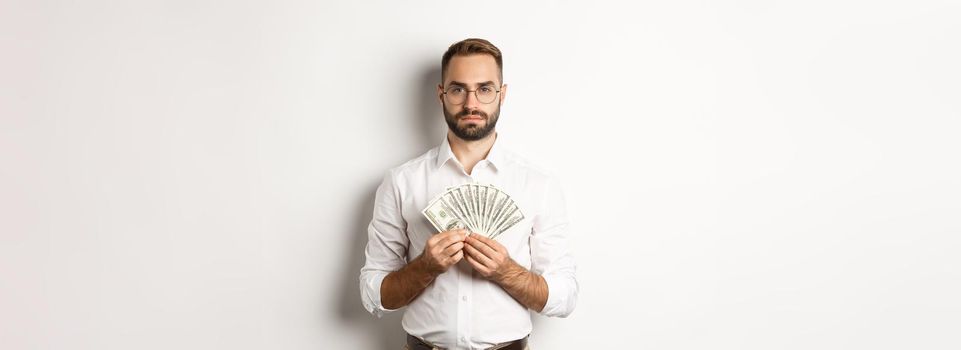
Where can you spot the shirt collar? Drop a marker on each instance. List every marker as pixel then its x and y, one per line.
pixel 494 156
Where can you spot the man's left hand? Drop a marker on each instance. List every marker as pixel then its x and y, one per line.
pixel 489 258
pixel 492 261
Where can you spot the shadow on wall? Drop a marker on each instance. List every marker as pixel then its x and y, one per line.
pixel 429 128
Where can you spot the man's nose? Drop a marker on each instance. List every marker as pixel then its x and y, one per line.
pixel 471 103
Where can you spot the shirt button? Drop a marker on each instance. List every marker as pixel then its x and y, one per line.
pixel 464 298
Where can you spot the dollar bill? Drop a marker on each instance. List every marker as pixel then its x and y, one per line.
pixel 480 208
pixel 442 216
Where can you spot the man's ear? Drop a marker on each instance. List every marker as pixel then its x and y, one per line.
pixel 503 93
pixel 440 93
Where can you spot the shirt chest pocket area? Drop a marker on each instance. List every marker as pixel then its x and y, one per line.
pixel 417 227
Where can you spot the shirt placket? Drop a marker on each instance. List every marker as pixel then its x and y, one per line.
pixel 465 301
pixel 465 298
pixel 465 284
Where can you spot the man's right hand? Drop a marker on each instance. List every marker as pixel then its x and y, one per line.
pixel 443 250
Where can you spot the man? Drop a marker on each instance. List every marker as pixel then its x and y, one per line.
pixel 468 291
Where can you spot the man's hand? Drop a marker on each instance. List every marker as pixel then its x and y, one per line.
pixel 492 261
pixel 490 258
pixel 443 250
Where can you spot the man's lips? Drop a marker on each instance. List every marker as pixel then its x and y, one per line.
pixel 472 117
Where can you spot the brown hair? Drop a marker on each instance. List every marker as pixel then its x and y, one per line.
pixel 472 46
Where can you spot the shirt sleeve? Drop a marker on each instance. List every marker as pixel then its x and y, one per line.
pixel 550 253
pixel 387 244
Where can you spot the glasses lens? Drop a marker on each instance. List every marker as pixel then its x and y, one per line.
pixel 486 94
pixel 455 95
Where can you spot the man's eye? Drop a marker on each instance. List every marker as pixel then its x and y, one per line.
pixel 487 89
pixel 455 90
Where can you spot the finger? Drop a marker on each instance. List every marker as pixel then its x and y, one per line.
pixel 482 238
pixel 447 234
pixel 453 249
pixel 494 244
pixel 478 256
pixel 477 266
pixel 452 238
pixel 458 256
pixel 482 247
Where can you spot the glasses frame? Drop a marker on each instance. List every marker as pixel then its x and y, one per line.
pixel 496 92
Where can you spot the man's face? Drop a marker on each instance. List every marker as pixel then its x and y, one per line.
pixel 472 120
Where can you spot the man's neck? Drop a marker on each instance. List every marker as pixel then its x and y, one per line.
pixel 468 153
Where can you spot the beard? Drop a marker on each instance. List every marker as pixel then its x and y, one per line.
pixel 471 131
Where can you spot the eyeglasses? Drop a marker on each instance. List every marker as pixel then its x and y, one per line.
pixel 456 95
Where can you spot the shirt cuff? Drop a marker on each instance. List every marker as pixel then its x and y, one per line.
pixel 561 296
pixel 371 298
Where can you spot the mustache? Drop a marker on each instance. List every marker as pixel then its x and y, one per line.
pixel 467 113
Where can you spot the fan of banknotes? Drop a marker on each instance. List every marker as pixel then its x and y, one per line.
pixel 480 208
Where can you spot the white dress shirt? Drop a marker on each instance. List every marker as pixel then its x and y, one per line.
pixel 460 309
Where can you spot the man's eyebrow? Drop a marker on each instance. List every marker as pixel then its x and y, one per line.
pixel 455 82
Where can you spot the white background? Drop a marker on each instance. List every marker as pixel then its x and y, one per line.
pixel 740 175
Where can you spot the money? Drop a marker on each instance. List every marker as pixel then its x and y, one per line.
pixel 480 208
